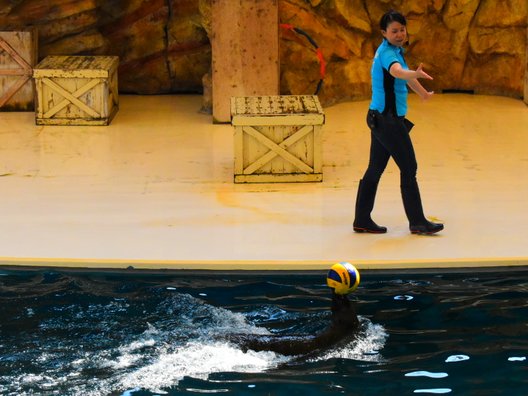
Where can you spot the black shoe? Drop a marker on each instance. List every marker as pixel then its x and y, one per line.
pixel 369 227
pixel 428 228
pixel 412 202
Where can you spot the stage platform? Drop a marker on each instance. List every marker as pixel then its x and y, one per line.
pixel 154 190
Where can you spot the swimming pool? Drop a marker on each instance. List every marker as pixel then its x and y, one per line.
pixel 135 334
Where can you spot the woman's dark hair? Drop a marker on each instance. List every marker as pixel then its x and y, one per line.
pixel 391 16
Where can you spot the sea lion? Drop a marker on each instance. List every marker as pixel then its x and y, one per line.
pixel 343 326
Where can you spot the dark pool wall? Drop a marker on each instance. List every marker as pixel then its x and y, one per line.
pixel 164 47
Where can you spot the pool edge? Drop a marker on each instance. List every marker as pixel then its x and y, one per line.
pixel 260 265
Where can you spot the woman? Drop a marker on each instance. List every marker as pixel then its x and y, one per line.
pixel 390 129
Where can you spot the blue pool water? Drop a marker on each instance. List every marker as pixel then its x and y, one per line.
pixel 136 334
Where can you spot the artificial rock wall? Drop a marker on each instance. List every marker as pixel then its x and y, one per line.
pixel 164 47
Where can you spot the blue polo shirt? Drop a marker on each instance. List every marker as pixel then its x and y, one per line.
pixel 388 93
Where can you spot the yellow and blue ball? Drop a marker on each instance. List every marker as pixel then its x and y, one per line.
pixel 343 277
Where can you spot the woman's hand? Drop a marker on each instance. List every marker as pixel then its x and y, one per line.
pixel 397 71
pixel 426 95
pixel 421 74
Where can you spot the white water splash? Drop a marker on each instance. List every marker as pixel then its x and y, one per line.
pixel 166 364
pixel 364 348
pixel 198 360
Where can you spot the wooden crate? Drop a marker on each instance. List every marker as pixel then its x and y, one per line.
pixel 18 55
pixel 76 90
pixel 277 138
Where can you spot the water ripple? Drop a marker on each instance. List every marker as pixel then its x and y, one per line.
pixel 456 358
pixel 426 374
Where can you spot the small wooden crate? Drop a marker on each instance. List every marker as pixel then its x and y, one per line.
pixel 18 55
pixel 76 90
pixel 277 138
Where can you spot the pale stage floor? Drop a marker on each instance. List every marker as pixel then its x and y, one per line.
pixel 155 190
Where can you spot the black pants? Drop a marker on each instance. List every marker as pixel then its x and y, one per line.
pixel 390 138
